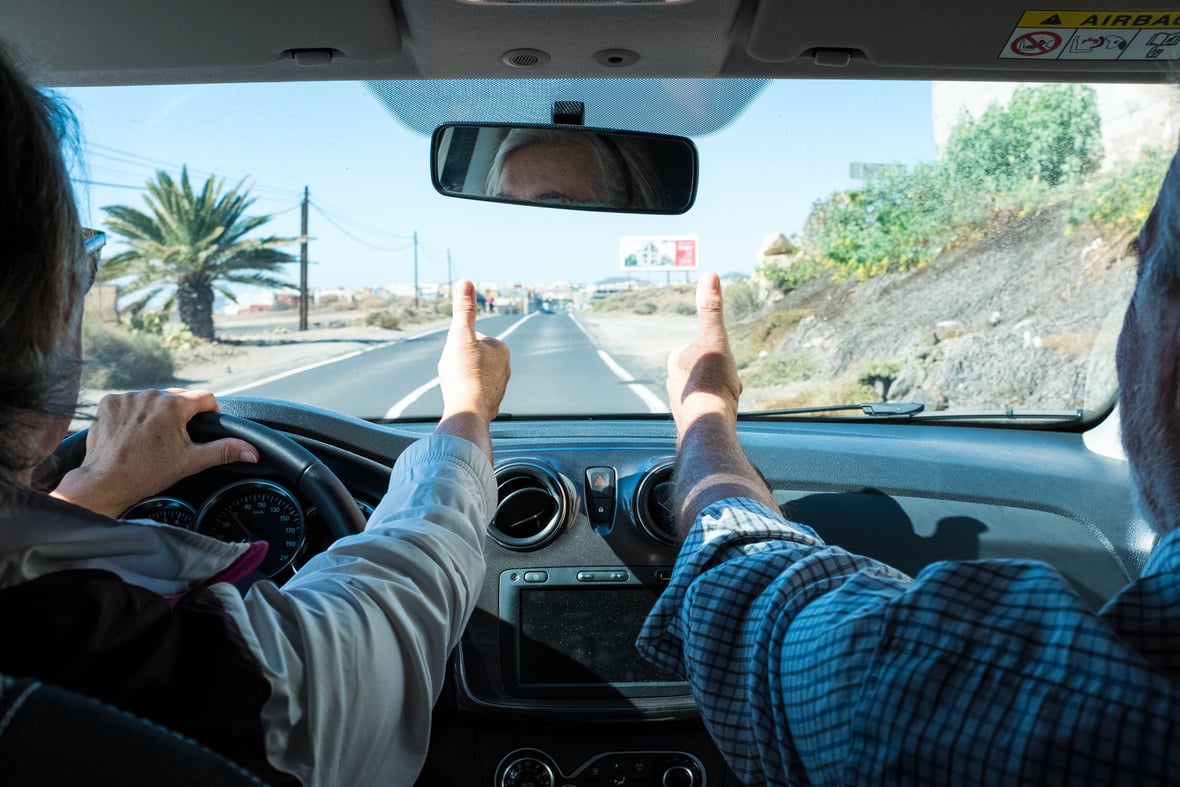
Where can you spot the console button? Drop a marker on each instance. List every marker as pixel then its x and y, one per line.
pixel 536 576
pixel 600 510
pixel 600 482
pixel 679 776
pixel 601 576
pixel 600 494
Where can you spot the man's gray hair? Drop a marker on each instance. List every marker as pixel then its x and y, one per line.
pixel 1158 244
pixel 624 176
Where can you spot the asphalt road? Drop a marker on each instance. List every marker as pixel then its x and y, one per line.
pixel 556 370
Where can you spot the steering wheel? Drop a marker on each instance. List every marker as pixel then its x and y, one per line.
pixel 298 467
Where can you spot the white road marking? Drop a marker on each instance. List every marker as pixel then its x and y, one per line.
pixel 654 403
pixel 400 406
pixel 301 369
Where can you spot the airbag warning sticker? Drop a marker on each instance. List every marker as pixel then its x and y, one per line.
pixel 1095 35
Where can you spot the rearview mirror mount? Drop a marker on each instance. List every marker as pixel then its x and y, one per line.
pixel 565 167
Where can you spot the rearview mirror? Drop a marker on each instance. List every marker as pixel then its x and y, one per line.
pixel 566 167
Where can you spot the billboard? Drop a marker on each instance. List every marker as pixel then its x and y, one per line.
pixel 658 253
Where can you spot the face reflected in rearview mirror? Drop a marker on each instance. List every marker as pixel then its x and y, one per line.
pixel 566 167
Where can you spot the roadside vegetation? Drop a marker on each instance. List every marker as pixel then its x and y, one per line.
pixel 1037 156
pixel 1042 149
pixel 146 348
pixel 117 358
pixel 855 307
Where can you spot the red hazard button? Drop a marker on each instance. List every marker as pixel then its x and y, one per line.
pixel 600 481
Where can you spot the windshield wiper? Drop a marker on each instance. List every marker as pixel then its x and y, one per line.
pixel 914 410
pixel 874 409
pixel 1005 414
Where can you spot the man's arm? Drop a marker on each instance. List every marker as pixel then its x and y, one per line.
pixel 703 391
pixel 811 664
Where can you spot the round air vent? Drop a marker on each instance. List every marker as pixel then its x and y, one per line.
pixel 525 58
pixel 532 508
pixel 654 506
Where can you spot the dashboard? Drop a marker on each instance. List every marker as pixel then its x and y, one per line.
pixel 545 688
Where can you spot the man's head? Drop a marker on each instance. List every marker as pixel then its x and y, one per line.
pixel 43 269
pixel 571 166
pixel 1149 362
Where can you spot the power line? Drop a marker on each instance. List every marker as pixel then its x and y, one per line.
pixel 359 225
pixel 361 241
pixel 109 185
pixel 434 256
pixel 87 182
pixel 148 162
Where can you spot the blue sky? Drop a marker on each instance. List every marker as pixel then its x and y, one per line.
pixel 370 181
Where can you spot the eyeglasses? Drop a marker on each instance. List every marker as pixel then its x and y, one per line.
pixel 94 241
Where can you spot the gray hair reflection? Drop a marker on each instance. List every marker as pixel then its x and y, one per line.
pixel 623 173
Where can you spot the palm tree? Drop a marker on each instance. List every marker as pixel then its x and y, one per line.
pixel 190 244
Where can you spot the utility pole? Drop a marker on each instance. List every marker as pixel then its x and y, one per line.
pixel 450 281
pixel 303 264
pixel 415 269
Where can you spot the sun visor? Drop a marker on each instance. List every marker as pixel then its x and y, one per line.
pixel 688 107
pixel 1000 35
pixel 94 39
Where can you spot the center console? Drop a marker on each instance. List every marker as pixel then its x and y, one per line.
pixel 548 687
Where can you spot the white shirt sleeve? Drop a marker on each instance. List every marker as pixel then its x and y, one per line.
pixel 355 645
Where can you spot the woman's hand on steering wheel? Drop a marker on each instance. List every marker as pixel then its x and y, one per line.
pixel 139 445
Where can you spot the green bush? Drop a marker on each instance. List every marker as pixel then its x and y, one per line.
pixel 1121 200
pixel 801 270
pixel 148 321
pixel 280 306
pixel 793 367
pixel 384 319
pixel 1048 133
pixel 120 359
pixel 179 337
pixel 741 300
pixel 1006 160
pixel 644 307
pixel 879 376
pixel 892 223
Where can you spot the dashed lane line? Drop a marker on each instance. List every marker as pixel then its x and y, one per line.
pixel 400 406
pixel 654 403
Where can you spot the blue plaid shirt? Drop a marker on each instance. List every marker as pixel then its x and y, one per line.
pixel 814 665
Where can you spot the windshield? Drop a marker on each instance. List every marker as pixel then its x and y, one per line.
pixel 964 247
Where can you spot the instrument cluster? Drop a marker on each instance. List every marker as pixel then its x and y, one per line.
pixel 247 510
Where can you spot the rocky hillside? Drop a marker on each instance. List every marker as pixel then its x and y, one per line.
pixel 1026 317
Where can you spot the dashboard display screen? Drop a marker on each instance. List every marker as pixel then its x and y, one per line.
pixel 585 636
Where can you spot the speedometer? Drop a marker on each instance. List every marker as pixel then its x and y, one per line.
pixel 169 510
pixel 256 511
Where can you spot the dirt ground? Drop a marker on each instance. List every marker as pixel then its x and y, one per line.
pixel 254 347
